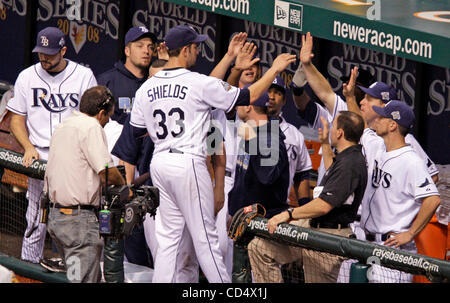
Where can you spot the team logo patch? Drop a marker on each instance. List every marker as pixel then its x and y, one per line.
pixel 396 115
pixel 226 86
pixel 143 29
pixel 44 41
pixel 385 96
pixel 77 35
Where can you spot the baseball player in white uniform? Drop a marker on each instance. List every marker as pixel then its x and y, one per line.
pixel 174 106
pixel 44 95
pixel 401 196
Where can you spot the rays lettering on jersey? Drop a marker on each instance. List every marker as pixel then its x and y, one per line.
pixel 379 177
pixel 55 103
pixel 167 91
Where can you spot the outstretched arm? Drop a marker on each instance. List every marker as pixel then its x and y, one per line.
pixel 316 80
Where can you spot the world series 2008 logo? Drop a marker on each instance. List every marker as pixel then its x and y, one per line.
pixel 288 15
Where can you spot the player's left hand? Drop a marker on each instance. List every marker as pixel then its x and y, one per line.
pixel 396 240
pixel 282 62
pixel 323 132
pixel 275 220
pixel 163 51
pixel 244 59
pixel 349 88
pixel 236 43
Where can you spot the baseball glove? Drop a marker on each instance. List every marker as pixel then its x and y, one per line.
pixel 241 220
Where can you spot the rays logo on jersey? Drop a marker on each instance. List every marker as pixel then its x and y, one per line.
pixel 379 177
pixel 55 103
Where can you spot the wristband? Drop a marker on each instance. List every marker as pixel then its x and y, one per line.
pixel 289 210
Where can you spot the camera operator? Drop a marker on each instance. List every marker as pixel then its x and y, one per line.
pixel 76 169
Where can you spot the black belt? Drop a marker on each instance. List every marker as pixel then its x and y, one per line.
pixel 315 224
pixel 88 207
pixel 227 173
pixel 175 151
pixel 373 237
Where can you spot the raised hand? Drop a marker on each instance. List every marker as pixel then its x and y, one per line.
pixel 306 51
pixel 236 44
pixel 244 59
pixel 349 88
pixel 282 61
pixel 163 51
pixel 323 132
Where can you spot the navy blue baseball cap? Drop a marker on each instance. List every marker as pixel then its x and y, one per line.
pixel 138 32
pixel 49 41
pixel 262 101
pixel 398 111
pixel 279 82
pixel 182 35
pixel 380 90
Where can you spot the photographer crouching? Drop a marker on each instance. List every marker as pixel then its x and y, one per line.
pixel 77 168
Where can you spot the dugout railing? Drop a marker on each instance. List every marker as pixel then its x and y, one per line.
pixel 12 172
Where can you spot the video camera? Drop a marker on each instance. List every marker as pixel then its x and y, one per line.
pixel 118 216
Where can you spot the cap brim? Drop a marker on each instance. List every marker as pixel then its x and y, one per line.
pixel 379 110
pixel 278 86
pixel 45 50
pixel 366 90
pixel 200 39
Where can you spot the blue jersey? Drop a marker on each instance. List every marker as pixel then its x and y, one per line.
pixel 261 176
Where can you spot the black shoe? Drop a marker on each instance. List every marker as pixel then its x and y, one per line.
pixel 53 264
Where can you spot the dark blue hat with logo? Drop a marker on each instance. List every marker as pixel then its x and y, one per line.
pixel 262 101
pixel 49 41
pixel 182 35
pixel 138 32
pixel 398 111
pixel 380 90
pixel 279 83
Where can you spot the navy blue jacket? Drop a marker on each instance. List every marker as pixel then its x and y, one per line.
pixel 134 150
pixel 123 85
pixel 258 178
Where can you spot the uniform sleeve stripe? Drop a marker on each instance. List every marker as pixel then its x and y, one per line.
pixel 15 111
pixel 236 97
pixel 137 125
pixel 429 194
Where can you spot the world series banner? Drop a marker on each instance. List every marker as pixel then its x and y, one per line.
pixel 12 31
pixel 91 29
pixel 438 114
pixel 159 16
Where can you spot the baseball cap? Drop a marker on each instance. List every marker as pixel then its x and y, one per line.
pixel 262 101
pixel 279 82
pixel 380 90
pixel 182 35
pixel 49 41
pixel 138 32
pixel 398 111
pixel 364 78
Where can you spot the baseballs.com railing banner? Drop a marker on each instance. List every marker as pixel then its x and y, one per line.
pixel 364 252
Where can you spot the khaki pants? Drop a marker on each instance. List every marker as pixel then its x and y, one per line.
pixel 267 256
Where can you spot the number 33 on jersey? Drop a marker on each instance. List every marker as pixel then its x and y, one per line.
pixel 175 107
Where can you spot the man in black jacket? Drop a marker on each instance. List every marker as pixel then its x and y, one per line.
pixel 124 80
pixel 126 77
